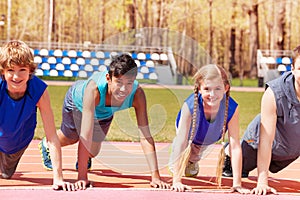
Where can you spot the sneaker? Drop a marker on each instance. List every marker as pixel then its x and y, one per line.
pixel 89 165
pixel 192 169
pixel 227 170
pixel 45 155
pixel 245 174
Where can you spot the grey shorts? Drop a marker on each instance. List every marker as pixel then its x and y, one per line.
pixel 71 121
pixel 9 163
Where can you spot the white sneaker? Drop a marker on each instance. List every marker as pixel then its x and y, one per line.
pixel 192 169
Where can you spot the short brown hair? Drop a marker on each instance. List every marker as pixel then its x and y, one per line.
pixel 14 53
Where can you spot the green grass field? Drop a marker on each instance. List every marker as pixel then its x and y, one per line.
pixel 163 106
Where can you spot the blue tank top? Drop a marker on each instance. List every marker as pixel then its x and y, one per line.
pixel 208 132
pixel 101 111
pixel 18 117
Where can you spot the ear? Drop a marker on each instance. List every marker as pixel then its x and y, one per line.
pixel 107 77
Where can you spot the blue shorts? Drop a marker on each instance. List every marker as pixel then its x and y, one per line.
pixel 71 121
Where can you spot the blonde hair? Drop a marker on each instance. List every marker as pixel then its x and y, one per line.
pixel 14 53
pixel 209 72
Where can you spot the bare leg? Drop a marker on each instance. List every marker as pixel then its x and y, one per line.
pixel 64 141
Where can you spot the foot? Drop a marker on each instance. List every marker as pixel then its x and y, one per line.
pixel 89 164
pixel 45 155
pixel 192 169
pixel 227 170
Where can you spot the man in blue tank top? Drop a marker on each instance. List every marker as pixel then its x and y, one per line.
pixel 20 94
pixel 88 111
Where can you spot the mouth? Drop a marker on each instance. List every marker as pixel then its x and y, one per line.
pixel 121 96
pixel 16 82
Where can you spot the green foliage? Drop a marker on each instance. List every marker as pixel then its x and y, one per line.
pixel 163 106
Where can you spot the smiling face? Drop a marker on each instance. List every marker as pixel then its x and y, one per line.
pixel 16 78
pixel 119 87
pixel 212 91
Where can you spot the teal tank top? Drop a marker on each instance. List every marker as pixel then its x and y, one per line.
pixel 101 111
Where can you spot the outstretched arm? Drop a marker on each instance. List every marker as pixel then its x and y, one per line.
pixel 236 153
pixel 266 137
pixel 147 142
pixel 179 146
pixel 53 142
pixel 86 147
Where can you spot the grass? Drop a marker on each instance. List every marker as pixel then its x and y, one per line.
pixel 163 106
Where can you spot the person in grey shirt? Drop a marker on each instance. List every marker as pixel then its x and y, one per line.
pixel 271 140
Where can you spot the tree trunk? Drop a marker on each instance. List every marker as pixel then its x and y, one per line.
pixel 211 31
pixel 279 28
pixel 254 42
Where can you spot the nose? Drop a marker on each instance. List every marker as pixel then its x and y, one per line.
pixel 16 75
pixel 122 88
pixel 212 93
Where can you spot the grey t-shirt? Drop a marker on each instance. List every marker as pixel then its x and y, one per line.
pixel 286 143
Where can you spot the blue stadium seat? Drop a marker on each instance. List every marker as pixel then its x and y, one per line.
pixel 134 55
pixel 279 60
pixel 93 54
pixel 148 56
pixel 79 54
pixel 106 54
pixel 51 52
pixel 36 52
pixel 65 53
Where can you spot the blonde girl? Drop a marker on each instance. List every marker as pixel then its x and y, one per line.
pixel 203 120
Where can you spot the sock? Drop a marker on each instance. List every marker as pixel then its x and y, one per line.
pixel 45 144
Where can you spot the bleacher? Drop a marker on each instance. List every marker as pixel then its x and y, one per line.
pixel 83 61
pixel 272 63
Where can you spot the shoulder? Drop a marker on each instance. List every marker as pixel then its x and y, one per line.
pixel 36 87
pixel 139 92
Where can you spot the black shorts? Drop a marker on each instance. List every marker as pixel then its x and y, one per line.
pixel 250 160
pixel 9 162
